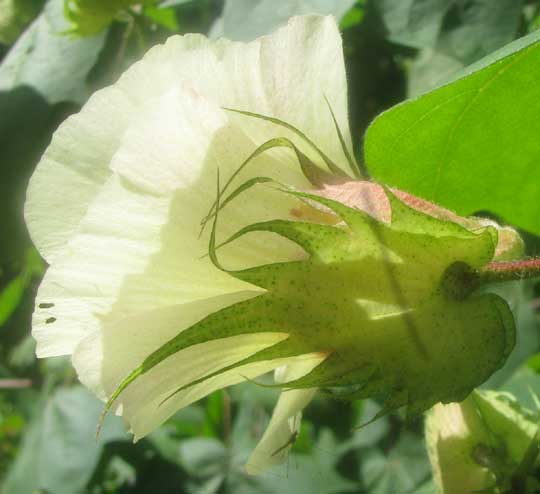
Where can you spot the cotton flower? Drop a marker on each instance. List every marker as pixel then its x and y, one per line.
pixel 336 283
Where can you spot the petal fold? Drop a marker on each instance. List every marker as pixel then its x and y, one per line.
pixel 284 425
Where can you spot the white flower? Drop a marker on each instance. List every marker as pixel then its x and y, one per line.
pixel 153 324
pixel 116 202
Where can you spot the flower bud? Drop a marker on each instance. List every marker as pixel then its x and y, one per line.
pixel 487 443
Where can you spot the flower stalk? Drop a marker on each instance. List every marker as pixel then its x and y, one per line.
pixel 495 272
pixel 460 280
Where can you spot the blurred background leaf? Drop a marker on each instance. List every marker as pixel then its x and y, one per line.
pixel 450 34
pixel 404 469
pixel 89 17
pixel 47 60
pixel 15 15
pixel 12 294
pixel 244 20
pixel 60 451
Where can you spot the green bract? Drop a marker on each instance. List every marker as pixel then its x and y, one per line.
pixel 356 299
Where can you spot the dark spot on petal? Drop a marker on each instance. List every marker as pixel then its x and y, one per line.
pixel 295 213
pixel 46 305
pixel 50 320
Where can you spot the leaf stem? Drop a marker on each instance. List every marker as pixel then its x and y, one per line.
pixel 15 383
pixel 509 270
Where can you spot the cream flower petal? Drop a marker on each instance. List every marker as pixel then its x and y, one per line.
pixel 74 168
pixel 285 75
pixel 116 203
pixel 281 432
pixel 137 249
pixel 285 422
pixel 103 358
pixel 450 433
pixel 146 416
pixel 143 405
pixel 125 129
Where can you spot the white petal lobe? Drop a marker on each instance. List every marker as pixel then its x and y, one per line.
pixel 115 207
pixel 280 434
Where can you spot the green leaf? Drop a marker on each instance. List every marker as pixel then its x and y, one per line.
pixel 206 461
pixel 531 17
pixel 12 294
pixel 525 386
pixel 26 124
pixel 214 414
pixel 471 145
pixel 506 418
pixel 59 451
pixel 475 28
pixel 173 3
pixel 119 473
pixel 371 433
pixel 429 70
pixel 404 470
pixel 15 16
pixel 353 17
pixel 307 474
pixel 89 17
pixel 23 354
pixel 414 23
pixel 49 61
pixel 463 30
pixel 165 17
pixel 244 20
pixel 10 297
pixel 468 32
pixel 427 488
pixel 203 456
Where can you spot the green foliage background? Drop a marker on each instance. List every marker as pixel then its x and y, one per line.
pixel 53 58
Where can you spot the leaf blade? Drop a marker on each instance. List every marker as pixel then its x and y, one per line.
pixel 457 144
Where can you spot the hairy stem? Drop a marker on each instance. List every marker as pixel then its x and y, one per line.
pixel 510 270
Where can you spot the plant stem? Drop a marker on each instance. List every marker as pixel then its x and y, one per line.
pixel 509 270
pixel 15 383
pixel 227 419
